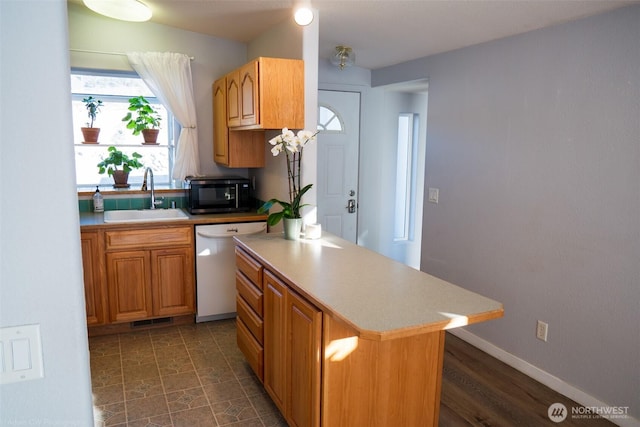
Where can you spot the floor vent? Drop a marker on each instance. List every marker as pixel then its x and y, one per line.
pixel 150 322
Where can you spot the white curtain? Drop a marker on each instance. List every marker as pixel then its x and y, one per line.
pixel 168 75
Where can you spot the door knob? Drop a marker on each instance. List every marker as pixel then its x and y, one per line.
pixel 351 206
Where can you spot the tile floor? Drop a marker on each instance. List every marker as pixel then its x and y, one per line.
pixel 190 375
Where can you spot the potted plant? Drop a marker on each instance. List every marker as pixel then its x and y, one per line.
pixel 292 145
pixel 118 165
pixel 147 120
pixel 93 108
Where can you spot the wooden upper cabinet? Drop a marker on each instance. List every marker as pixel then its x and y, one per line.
pixel 220 128
pixel 233 149
pixel 249 113
pixel 233 98
pixel 266 93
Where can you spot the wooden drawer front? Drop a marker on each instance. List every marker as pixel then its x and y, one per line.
pixel 252 321
pixel 251 294
pixel 148 238
pixel 251 349
pixel 250 267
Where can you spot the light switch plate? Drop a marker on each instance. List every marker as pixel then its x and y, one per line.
pixel 21 353
pixel 434 193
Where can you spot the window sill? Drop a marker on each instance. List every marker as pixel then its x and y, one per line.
pixel 108 190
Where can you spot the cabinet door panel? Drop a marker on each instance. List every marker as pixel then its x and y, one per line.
pixel 251 268
pixel 250 318
pixel 233 99
pixel 275 362
pixel 250 348
pixel 94 294
pixel 251 294
pixel 303 361
pixel 128 282
pixel 249 112
pixel 172 281
pixel 220 129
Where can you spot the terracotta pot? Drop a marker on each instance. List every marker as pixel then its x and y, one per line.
pixel 120 179
pixel 90 135
pixel 150 136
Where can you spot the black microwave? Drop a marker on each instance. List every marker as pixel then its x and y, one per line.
pixel 218 194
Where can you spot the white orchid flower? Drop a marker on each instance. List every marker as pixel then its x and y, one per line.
pixel 276 140
pixel 292 146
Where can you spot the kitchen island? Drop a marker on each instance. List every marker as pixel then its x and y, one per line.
pixel 346 336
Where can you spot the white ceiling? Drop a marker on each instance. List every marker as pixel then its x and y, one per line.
pixel 381 32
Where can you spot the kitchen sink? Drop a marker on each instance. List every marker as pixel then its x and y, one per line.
pixel 144 215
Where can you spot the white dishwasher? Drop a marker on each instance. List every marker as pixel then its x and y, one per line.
pixel 216 268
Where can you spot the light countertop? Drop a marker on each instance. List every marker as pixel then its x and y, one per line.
pixel 377 296
pixel 91 219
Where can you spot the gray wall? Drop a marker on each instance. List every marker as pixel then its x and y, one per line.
pixel 40 261
pixel 534 143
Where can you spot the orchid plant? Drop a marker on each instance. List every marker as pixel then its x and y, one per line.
pixel 292 145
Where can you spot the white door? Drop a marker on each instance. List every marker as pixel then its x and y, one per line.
pixel 338 141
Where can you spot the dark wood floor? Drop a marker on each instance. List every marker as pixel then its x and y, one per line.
pixel 480 390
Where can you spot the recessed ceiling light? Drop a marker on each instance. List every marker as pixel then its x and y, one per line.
pixel 125 10
pixel 303 14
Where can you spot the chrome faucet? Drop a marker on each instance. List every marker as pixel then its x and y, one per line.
pixel 154 202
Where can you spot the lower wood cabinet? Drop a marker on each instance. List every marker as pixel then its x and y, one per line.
pixel 94 287
pixel 250 311
pixel 288 356
pixel 135 274
pixel 303 355
pixel 145 284
pixel 275 340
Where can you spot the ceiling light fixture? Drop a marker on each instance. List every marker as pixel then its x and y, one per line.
pixel 124 10
pixel 302 13
pixel 342 57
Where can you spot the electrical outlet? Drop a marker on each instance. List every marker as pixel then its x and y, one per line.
pixel 541 330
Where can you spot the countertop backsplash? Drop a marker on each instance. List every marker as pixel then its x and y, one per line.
pixel 121 200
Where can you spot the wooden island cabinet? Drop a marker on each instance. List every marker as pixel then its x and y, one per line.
pixel 348 337
pixel 284 350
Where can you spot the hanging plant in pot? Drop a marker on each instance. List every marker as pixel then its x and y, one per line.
pixel 146 120
pixel 292 145
pixel 118 165
pixel 90 133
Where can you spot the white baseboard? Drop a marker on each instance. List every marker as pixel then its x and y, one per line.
pixel 539 375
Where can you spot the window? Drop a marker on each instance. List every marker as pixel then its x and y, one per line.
pixel 328 120
pixel 115 89
pixel 405 176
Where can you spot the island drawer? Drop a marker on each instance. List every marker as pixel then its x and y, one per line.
pixel 145 238
pixel 251 294
pixel 251 349
pixel 252 321
pixel 250 267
